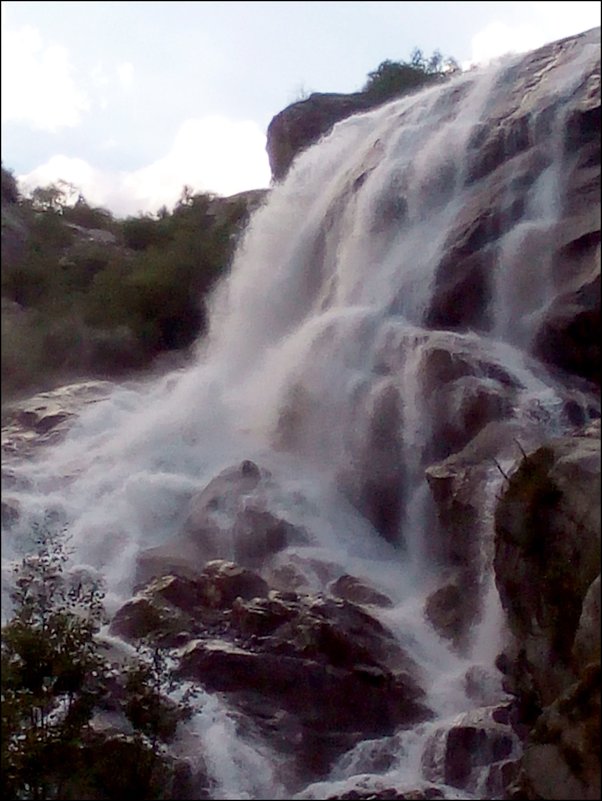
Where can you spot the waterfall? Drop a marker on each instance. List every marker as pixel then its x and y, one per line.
pixel 323 365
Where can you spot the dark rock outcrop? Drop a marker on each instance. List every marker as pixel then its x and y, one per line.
pixel 301 124
pixel 291 662
pixel 548 554
pixel 175 607
pixel 374 790
pixel 547 566
pixel 562 755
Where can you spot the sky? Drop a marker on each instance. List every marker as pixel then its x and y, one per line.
pixel 130 101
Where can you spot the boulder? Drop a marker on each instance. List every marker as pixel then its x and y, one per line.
pixel 143 617
pixel 463 753
pixel 228 519
pixel 172 608
pixel 292 662
pixel 222 582
pixel 300 573
pixel 375 789
pixel 448 609
pixel 349 588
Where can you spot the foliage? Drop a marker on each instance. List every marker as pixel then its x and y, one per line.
pixel 54 679
pixel 81 213
pixel 54 197
pixel 51 672
pixel 10 192
pixel 95 305
pixel 394 78
pixel 139 233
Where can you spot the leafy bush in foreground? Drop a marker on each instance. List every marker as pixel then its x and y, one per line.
pixel 55 680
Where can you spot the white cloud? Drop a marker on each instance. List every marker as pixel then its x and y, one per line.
pixel 78 172
pixel 498 38
pixel 125 74
pixel 37 82
pixel 554 21
pixel 212 154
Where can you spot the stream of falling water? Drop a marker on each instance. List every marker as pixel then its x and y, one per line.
pixel 332 278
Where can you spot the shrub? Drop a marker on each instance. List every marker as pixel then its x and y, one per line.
pixel 394 78
pixel 10 192
pixel 96 309
pixel 54 679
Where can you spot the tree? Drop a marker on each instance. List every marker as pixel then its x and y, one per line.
pixel 51 671
pixel 54 679
pixel 87 216
pixel 395 78
pixel 10 191
pixel 54 197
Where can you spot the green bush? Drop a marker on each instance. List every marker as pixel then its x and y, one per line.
pixel 54 679
pixel 89 216
pixel 140 233
pixel 95 309
pixel 10 192
pixel 395 78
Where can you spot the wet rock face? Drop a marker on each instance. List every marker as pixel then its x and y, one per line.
pixel 471 753
pixel 570 334
pixel 374 482
pixel 464 391
pixel 229 519
pixel 315 673
pixel 507 157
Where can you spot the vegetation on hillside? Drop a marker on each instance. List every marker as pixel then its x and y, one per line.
pixel 85 294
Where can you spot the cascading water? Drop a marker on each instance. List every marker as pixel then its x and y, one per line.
pixel 323 365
